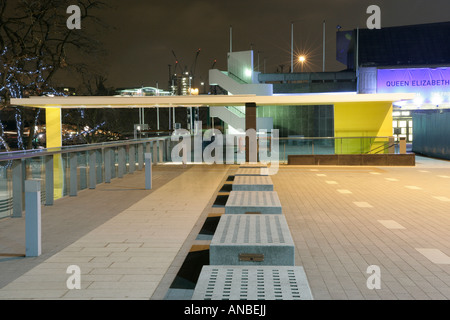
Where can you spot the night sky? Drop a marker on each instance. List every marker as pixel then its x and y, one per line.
pixel 141 35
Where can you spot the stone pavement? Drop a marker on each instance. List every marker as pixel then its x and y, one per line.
pixel 129 242
pixel 345 219
pixel 127 256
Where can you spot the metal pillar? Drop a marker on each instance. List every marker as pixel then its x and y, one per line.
pixel 148 171
pixel 73 164
pixel 33 246
pixel 108 165
pixel 17 178
pixel 140 156
pixel 49 181
pixel 132 158
pixel 122 164
pixel 92 169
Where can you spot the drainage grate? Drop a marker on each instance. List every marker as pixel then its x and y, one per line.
pixel 266 202
pixel 252 283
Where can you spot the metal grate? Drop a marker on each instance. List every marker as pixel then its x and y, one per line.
pixel 252 283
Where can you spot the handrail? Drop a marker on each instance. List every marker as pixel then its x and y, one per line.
pixel 26 154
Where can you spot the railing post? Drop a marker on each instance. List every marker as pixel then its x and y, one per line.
pixel 108 165
pixel 148 171
pixel 49 181
pixel 122 165
pixel 140 156
pixel 92 169
pixel 17 179
pixel 391 145
pixel 73 164
pixel 132 158
pixel 33 218
pixel 161 151
pixel 155 152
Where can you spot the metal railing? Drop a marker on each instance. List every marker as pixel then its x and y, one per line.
pixel 66 170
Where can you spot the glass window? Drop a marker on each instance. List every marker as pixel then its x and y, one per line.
pixel 410 124
pixel 402 124
pixel 406 113
pixel 394 123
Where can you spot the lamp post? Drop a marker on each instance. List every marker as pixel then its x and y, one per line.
pixel 292 44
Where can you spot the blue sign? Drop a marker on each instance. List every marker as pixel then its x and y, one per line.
pixel 431 85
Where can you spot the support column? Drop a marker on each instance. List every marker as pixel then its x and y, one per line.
pixel 250 138
pixel 53 131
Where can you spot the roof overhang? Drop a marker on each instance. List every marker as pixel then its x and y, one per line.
pixel 89 102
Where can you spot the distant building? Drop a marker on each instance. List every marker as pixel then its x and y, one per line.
pixel 144 91
pixel 406 59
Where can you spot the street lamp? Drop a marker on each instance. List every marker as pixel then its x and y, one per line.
pixel 302 60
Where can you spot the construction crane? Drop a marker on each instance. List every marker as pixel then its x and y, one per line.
pixel 194 65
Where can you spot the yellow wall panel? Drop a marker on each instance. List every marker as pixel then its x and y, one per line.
pixel 362 119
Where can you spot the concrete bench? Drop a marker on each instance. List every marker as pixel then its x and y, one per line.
pixel 252 283
pixel 263 202
pixel 252 165
pixel 263 171
pixel 252 183
pixel 252 240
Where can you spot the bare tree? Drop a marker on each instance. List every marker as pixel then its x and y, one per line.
pixel 35 45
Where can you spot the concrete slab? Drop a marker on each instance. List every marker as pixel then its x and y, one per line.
pixel 252 183
pixel 252 283
pixel 242 202
pixel 252 172
pixel 252 165
pixel 252 240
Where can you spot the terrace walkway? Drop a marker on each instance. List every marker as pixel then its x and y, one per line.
pixel 130 242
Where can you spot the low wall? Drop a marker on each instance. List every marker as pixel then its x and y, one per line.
pixel 354 160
